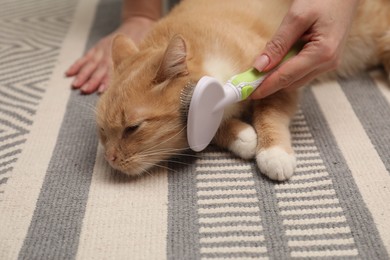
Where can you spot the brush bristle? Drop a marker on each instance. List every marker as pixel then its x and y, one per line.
pixel 185 99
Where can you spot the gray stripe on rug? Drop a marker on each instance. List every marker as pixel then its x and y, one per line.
pixel 373 111
pixel 275 239
pixel 359 219
pixel 183 236
pixel 56 224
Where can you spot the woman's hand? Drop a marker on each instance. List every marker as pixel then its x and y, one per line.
pixel 92 71
pixel 323 26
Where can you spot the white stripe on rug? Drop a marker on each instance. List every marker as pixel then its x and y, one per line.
pixel 125 218
pixel 22 190
pixel 364 162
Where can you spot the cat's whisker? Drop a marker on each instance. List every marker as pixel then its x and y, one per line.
pixel 159 154
pixel 190 155
pixel 177 162
pixel 181 150
pixel 167 140
pixel 171 152
pixel 160 166
pixel 144 170
pixel 145 165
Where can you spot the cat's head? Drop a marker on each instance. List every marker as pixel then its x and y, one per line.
pixel 140 116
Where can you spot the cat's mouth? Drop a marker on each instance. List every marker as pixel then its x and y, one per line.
pixel 131 167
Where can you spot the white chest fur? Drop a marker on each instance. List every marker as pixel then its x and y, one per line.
pixel 222 69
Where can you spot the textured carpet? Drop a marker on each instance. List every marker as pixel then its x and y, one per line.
pixel 59 199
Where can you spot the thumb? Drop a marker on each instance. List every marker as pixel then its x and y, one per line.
pixel 290 30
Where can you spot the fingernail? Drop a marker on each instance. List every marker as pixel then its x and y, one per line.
pixel 261 62
pixel 75 83
pixel 102 88
pixel 85 88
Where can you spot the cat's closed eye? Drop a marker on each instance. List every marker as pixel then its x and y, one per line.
pixel 129 130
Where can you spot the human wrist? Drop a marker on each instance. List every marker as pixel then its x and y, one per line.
pixel 138 20
pixel 150 9
pixel 136 27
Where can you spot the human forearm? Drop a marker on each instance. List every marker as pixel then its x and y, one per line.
pixel 151 9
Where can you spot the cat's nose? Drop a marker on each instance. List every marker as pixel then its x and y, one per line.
pixel 110 157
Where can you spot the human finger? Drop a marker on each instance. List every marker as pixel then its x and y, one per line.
pixel 291 29
pixel 103 87
pixel 289 72
pixel 76 66
pixel 85 73
pixel 95 80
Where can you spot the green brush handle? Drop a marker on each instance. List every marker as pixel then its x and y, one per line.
pixel 249 80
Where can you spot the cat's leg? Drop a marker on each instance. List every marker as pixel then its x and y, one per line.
pixel 238 137
pixel 384 51
pixel 271 118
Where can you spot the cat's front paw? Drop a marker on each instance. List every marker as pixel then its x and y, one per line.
pixel 276 163
pixel 245 143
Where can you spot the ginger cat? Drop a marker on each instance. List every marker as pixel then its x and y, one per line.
pixel 140 118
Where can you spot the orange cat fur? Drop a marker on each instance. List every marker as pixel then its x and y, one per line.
pixel 139 116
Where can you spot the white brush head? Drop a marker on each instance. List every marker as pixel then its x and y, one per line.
pixel 203 121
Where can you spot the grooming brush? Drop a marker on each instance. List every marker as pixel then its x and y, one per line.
pixel 205 103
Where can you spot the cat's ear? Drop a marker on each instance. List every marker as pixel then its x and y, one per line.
pixel 122 48
pixel 173 63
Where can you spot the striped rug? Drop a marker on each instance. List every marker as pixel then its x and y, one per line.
pixel 60 200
